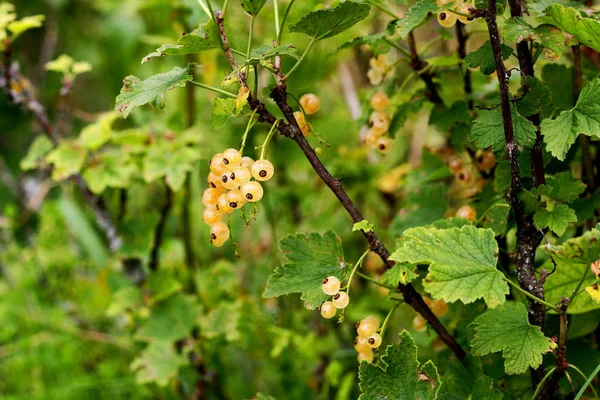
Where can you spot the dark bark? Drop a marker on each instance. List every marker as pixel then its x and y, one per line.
pixel 462 37
pixel 419 65
pixel 159 230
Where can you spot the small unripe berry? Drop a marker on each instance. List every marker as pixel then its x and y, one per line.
pixel 466 212
pixel 319 151
pixel 365 356
pixel 331 285
pixel 374 340
pixel 252 191
pixel 380 101
pixel 365 329
pixel 232 158
pixel 262 170
pixel 341 300
pixel 310 103
pixel 328 310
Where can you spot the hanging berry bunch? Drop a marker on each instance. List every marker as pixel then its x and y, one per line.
pixel 331 287
pixel 380 67
pixel 377 136
pixel 461 11
pixel 367 338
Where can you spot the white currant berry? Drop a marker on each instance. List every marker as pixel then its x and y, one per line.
pixel 419 324
pixel 370 319
pixel 247 162
pixel 380 62
pixel 466 212
pixel 365 356
pixel 464 8
pixel 223 205
pixel 217 164
pixel 361 344
pixel 262 170
pixel 228 182
pixel 331 285
pixel 485 160
pixel 447 19
pixel 380 101
pixel 235 199
pixel 232 158
pixel 374 340
pixel 252 191
pixel 299 117
pixel 380 120
pixel 310 103
pixel 240 175
pixel 210 215
pixel 384 145
pixel 375 76
pixel 210 196
pixel 214 181
pixel 341 300
pixel 365 329
pixel 218 243
pixel 372 136
pixel 328 310
pixel 439 307
pixel 219 231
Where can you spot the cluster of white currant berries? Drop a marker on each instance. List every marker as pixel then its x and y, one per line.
pixel 310 104
pixel 230 187
pixel 379 124
pixel 331 287
pixel 448 18
pixel 468 180
pixel 367 339
pixel 380 68
pixel 438 307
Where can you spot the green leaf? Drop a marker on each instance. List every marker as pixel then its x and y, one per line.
pixel 507 329
pixel 564 187
pixel 124 299
pixel 136 92
pixel 536 99
pixel 172 164
pixel 170 320
pixel 402 273
pixel 25 24
pixel 417 15
pixel 157 363
pixel 559 78
pixel 67 159
pixel 223 109
pixel 555 41
pixel 584 118
pixel 222 321
pixel 570 20
pixel 462 263
pixel 109 170
pixel 401 376
pixel 496 218
pixel 557 219
pixel 323 24
pixel 252 7
pixel 483 58
pixel 203 38
pixel 445 118
pixel 161 285
pixel 488 130
pixel 539 6
pixel 377 42
pixel 98 133
pixel 310 259
pixel 363 225
pixel 40 146
pixel 424 205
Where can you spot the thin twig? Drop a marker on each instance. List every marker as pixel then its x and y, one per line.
pixel 160 227
pixel 419 66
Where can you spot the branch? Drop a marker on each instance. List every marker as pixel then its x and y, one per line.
pixel 418 65
pixel 160 227
pixel 461 37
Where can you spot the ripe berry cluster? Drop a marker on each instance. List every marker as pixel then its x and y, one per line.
pixel 447 18
pixel 310 104
pixel 230 187
pixel 438 307
pixel 379 123
pixel 367 339
pixel 468 180
pixel 380 68
pixel 331 287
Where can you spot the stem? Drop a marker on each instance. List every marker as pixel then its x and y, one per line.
pixel 418 65
pixel 382 8
pixel 214 89
pixel 580 372
pixel 526 293
pixel 205 8
pixel 387 318
pixel 160 227
pixel 250 45
pixel 239 53
pixel 358 264
pixel 584 141
pixel 397 47
pixel 265 146
pixel 576 291
pixel 186 213
pixel 461 37
pixel 431 43
pixel 587 383
pixel 285 15
pixel 541 384
pixel 310 45
pixel 276 12
pixel 251 123
pixel 373 281
pixel 224 6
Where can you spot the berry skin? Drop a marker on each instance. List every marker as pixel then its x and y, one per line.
pixel 328 310
pixel 380 120
pixel 463 8
pixel 439 307
pixel 223 205
pixel 240 175
pixel 210 215
pixel 306 130
pixel 365 356
pixel 247 162
pixel 214 181
pixel 464 176
pixel 217 164
pixel 372 137
pixel 227 182
pixel 374 340
pixel 300 119
pixel 384 145
pixel 235 199
pixel 375 76
pixel 218 243
pixel 210 196
pixel 262 170
pixel 380 101
pixel 232 158
pixel 466 212
pixel 372 320
pixel 447 19
pixel 252 191
pixel 380 62
pixel 341 300
pixel 310 103
pixel 419 324
pixel 361 344
pixel 365 329
pixel 331 285
pixel 455 164
pixel 485 160
pixel 219 232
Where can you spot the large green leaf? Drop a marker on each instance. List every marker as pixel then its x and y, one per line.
pixel 507 329
pixel 570 20
pixel 400 376
pixel 402 273
pixel 462 263
pixel 37 150
pixel 556 219
pixel 584 118
pixel 136 92
pixel 157 363
pixel 172 164
pixel 329 22
pixel 555 41
pixel 67 159
pixel 310 259
pixel 109 170
pixel 417 15
pixel 203 38
pixel 488 130
pixel 98 133
pixel 483 58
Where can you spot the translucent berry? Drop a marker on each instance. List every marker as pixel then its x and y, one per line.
pixel 210 196
pixel 447 19
pixel 247 162
pixel 455 164
pixel 466 212
pixel 218 243
pixel 372 137
pixel 365 329
pixel 210 215
pixel 380 120
pixel 419 324
pixel 361 344
pixel 375 76
pixel 485 160
pixel 328 310
pixel 217 164
pixel 439 307
pixel 465 176
pixel 380 62
pixel 228 182
pixel 306 130
pixel 262 170
pixel 252 191
pixel 310 103
pixel 365 356
pixel 214 181
pixel 331 285
pixel 240 175
pixel 341 300
pixel 384 145
pixel 232 158
pixel 219 231
pixel 380 101
pixel 300 119
pixel 370 319
pixel 235 199
pixel 223 205
pixel 374 340
pixel 464 8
